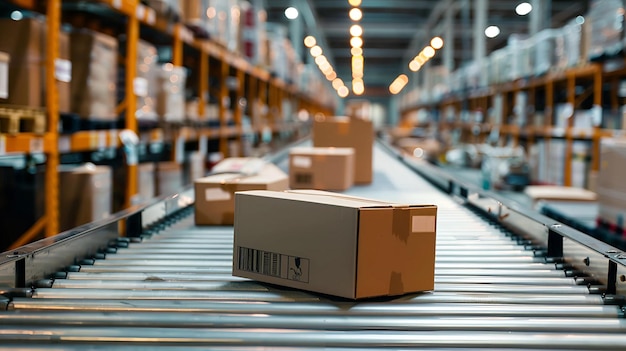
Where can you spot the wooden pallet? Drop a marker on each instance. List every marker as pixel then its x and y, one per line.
pixel 15 120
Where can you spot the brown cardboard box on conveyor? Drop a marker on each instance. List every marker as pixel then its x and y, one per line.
pixel 348 132
pixel 215 194
pixel 322 168
pixel 334 244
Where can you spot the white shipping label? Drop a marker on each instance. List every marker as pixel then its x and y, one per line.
pixel 65 144
pixel 4 80
pixel 113 138
pixel 36 145
pixel 3 145
pixel 102 140
pixel 423 224
pixel 302 162
pixel 179 152
pixel 140 86
pixel 151 18
pixel 117 4
pixel 216 194
pixel 202 145
pixel 63 70
pixel 596 115
pixel 141 12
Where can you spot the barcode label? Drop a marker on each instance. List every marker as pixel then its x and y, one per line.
pixel 304 178
pixel 273 264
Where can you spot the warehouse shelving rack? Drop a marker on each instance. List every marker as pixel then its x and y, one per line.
pixel 262 86
pixel 543 93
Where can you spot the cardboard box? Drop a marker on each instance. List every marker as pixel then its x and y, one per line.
pixel 169 178
pixel 24 46
pixel 215 194
pixel 85 194
pixel 62 68
pixel 94 75
pixel 348 132
pixel 610 185
pixel 4 74
pixel 170 91
pixel 323 168
pixel 334 244
pixel 145 182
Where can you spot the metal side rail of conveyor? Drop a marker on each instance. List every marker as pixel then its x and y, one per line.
pixel 506 278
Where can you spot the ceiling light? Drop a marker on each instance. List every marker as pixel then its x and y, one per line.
pixel 354 2
pixel 356 30
pixel 356 42
pixel 398 84
pixel 291 13
pixel 16 15
pixel 523 8
pixel 316 51
pixel 310 41
pixel 356 51
pixel 211 12
pixel 330 76
pixel 358 87
pixel 436 43
pixel 343 91
pixel 429 52
pixel 492 31
pixel 414 66
pixel 320 60
pixel 355 14
pixel 337 83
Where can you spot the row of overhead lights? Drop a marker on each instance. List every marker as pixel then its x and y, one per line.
pixel 356 44
pixel 325 67
pixel 418 61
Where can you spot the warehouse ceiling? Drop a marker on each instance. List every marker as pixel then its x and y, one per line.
pixel 394 31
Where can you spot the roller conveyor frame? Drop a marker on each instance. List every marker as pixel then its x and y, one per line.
pixel 589 264
pixel 587 255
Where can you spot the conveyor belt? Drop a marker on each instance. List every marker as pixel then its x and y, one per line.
pixel 174 289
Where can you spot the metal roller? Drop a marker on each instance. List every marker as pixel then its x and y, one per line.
pixel 173 289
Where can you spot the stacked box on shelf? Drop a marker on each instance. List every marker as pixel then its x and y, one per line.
pixel 437 82
pixel 521 58
pixel 4 74
pixel 606 28
pixel 171 93
pixel 145 182
pixel 145 83
pixel 551 161
pixel 169 9
pixel 85 194
pixel 498 72
pixel 169 178
pixel 252 32
pixel 94 73
pixel 195 15
pixel 22 202
pixel 611 187
pixel 548 43
pixel 573 51
pixel 194 167
pixel 233 25
pixel 276 41
pixel 580 165
pixel 26 47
